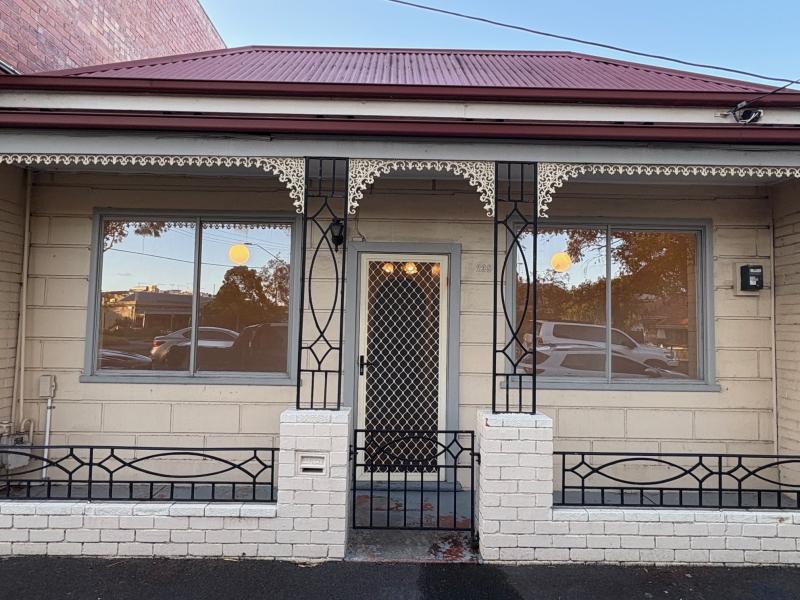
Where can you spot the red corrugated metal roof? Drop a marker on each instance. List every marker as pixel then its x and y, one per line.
pixel 370 66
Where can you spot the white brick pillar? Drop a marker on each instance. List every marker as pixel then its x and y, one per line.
pixel 313 482
pixel 515 484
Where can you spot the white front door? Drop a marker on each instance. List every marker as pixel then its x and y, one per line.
pixel 402 344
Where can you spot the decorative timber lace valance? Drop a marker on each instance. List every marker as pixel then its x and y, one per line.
pixel 554 175
pixel 363 171
pixel 289 170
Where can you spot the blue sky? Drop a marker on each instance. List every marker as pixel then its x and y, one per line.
pixel 167 260
pixel 753 36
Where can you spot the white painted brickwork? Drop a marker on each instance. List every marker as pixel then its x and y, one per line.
pixel 309 521
pixel 518 524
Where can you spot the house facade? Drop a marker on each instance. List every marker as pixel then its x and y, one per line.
pixel 254 299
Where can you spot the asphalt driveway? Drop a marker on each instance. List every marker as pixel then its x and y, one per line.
pixel 42 578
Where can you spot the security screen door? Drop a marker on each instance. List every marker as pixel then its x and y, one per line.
pixel 402 353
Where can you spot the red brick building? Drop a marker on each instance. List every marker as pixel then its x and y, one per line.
pixel 42 35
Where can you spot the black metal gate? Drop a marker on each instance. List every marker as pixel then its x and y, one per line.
pixel 413 479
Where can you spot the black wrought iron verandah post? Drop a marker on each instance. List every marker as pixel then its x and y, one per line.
pixel 514 357
pixel 324 248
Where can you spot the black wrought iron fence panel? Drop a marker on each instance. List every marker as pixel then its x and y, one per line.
pixel 413 479
pixel 681 480
pixel 137 473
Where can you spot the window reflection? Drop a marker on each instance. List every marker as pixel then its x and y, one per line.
pixel 149 296
pixel 244 308
pixel 571 316
pixel 653 303
pixel 145 291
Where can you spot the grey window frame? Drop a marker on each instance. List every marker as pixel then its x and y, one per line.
pixel 705 302
pixel 91 374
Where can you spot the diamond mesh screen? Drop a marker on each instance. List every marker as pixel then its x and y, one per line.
pixel 403 351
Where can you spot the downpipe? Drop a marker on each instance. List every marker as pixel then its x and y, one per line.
pixel 18 394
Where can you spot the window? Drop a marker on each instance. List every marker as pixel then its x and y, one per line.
pixel 193 296
pixel 616 303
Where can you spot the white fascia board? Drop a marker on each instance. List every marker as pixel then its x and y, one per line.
pixel 164 143
pixel 383 108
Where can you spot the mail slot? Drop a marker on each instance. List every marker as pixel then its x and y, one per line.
pixel 312 464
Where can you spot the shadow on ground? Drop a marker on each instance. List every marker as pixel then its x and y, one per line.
pixel 46 578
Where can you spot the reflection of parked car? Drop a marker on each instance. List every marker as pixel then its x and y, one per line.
pixel 115 359
pixel 588 361
pixel 171 351
pixel 558 332
pixel 261 347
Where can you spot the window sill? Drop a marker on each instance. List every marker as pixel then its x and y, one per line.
pixel 694 386
pixel 244 379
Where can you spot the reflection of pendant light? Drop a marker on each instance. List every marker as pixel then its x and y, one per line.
pixel 388 268
pixel 238 254
pixel 561 262
pixel 436 269
pixel 409 268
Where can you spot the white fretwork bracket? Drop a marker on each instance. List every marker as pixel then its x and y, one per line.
pixel 290 171
pixel 552 176
pixel 363 171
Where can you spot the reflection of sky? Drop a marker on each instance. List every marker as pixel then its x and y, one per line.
pixel 266 244
pixel 167 261
pixel 590 268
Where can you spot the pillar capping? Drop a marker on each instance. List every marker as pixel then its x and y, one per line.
pixel 538 420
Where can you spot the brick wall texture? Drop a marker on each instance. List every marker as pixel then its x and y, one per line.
pixel 44 35
pixel 12 224
pixel 518 524
pixel 308 522
pixel 787 319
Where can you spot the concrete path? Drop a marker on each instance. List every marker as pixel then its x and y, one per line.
pixel 43 578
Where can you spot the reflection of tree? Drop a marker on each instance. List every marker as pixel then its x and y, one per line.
pixel 653 279
pixel 275 276
pixel 652 270
pixel 246 298
pixel 115 232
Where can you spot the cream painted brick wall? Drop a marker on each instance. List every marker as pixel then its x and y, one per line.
pixel 145 414
pixel 407 210
pixel 12 229
pixel 786 206
pixel 741 228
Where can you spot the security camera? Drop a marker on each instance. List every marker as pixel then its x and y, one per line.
pixel 748 115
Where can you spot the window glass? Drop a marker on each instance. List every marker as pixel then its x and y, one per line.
pixel 620 365
pixel 571 290
pixel 244 297
pixel 655 279
pixel 594 364
pixel 150 296
pixel 654 301
pixel 567 332
pixel 145 293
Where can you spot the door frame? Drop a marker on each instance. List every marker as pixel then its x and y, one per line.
pixel 442 330
pixel 355 250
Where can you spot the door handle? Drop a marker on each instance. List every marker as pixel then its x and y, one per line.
pixel 363 363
